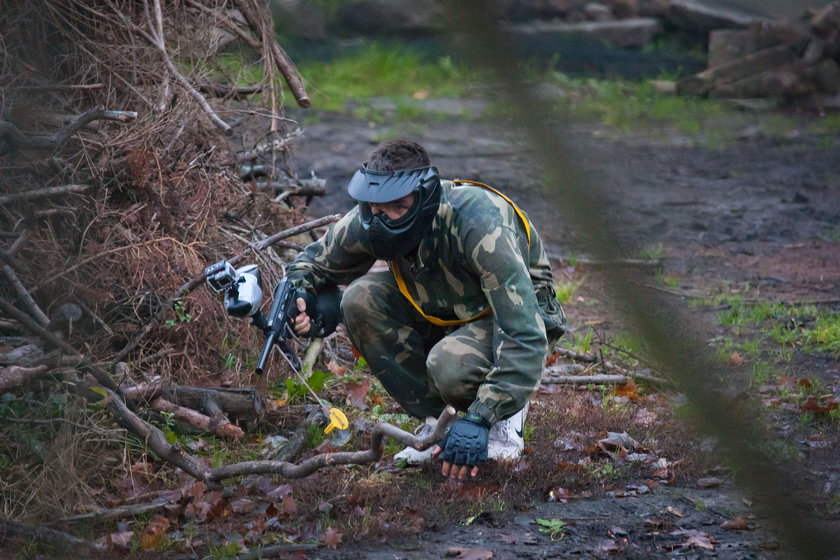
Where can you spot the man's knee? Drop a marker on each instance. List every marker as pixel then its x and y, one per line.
pixel 457 369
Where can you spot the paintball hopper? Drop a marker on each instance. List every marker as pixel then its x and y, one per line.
pixel 242 287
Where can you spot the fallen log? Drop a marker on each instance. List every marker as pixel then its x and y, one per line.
pixel 220 426
pixel 703 83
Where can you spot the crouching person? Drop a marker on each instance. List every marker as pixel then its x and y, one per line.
pixel 466 313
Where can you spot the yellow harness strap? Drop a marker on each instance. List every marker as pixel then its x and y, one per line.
pixel 449 322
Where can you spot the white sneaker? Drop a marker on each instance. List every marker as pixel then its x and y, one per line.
pixel 412 456
pixel 506 441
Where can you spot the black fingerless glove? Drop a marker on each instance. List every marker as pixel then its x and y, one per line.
pixel 324 309
pixel 466 442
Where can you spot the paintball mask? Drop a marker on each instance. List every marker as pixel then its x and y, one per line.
pixel 389 238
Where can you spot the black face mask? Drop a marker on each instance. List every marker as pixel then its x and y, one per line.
pixel 390 239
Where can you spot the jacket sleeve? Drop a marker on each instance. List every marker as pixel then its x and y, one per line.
pixel 340 256
pixel 519 338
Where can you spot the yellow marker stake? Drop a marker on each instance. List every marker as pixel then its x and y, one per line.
pixel 337 420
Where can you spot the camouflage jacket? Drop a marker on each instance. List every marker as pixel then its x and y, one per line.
pixel 476 253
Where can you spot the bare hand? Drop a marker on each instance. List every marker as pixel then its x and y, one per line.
pixel 452 470
pixel 302 322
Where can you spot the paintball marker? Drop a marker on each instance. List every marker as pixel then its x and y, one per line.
pixel 278 326
pixel 242 289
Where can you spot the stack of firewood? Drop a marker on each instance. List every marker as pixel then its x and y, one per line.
pixel 786 59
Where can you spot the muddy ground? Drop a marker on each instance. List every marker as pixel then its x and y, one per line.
pixel 760 206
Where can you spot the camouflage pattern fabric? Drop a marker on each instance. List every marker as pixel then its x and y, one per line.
pixel 476 254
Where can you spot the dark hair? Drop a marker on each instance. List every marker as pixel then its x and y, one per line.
pixel 398 154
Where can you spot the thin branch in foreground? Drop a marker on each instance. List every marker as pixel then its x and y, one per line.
pixel 25 296
pixel 308 466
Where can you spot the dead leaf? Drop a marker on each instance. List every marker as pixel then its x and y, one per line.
pixel 279 491
pixel 242 505
pixel 659 523
pixel 356 393
pixel 120 540
pixel 629 390
pixel 700 541
pixel 196 490
pixel 469 553
pixel 644 417
pixel 696 539
pixel 336 368
pixel 289 506
pixel 813 405
pixel 736 524
pixel 155 533
pixel 673 511
pixel 331 538
pixel 617 443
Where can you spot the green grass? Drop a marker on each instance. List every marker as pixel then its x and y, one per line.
pixel 767 334
pixel 565 291
pixel 381 70
pixel 627 105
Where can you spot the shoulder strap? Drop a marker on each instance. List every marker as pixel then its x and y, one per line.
pixel 395 268
pixel 516 209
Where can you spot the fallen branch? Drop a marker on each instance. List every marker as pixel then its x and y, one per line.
pixel 281 59
pixel 42 193
pixel 585 379
pixel 224 90
pixel 120 512
pixel 589 358
pixel 220 424
pixel 304 468
pixel 240 402
pixel 276 145
pixel 25 296
pixel 16 139
pixel 15 376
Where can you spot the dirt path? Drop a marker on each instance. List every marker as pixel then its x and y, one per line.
pixel 763 209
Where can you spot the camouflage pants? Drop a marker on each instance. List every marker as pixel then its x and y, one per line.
pixel 422 366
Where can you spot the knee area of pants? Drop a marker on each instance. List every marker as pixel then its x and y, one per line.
pixel 354 301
